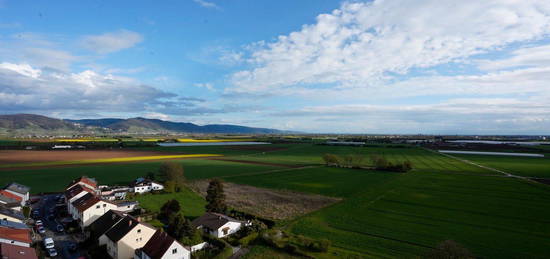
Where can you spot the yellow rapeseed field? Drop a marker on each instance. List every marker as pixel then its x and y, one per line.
pixel 190 140
pixel 108 160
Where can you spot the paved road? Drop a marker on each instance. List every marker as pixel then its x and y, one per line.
pixel 62 239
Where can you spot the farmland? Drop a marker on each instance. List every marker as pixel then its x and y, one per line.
pixel 381 214
pixel 523 166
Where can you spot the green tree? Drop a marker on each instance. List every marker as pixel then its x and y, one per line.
pixel 171 171
pixel 177 226
pixel 150 176
pixel 330 159
pixel 215 197
pixel 169 210
pixel 169 186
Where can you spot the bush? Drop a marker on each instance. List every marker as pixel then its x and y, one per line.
pixel 248 239
pixel 320 245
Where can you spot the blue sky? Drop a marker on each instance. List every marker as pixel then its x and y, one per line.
pixel 443 67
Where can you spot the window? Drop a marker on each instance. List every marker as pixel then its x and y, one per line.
pixel 175 250
pixel 104 205
pixel 97 207
pixel 139 230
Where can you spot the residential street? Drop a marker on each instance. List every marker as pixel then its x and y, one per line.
pixel 49 216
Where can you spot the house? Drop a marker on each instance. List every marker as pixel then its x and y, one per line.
pixel 126 206
pixel 141 185
pixel 217 225
pixel 10 251
pixel 11 215
pixel 113 193
pixel 126 236
pixel 75 192
pixel 8 197
pixel 91 209
pixel 14 225
pixel 162 246
pixel 83 181
pixel 18 190
pixel 72 208
pixel 102 224
pixel 18 237
pixel 10 203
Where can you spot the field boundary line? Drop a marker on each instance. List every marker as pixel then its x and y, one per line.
pixel 271 171
pixel 506 174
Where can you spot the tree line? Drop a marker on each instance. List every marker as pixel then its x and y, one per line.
pixel 359 161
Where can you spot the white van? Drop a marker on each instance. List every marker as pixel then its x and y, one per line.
pixel 48 242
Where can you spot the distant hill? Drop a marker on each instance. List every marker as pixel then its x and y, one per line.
pixel 38 124
pixel 35 124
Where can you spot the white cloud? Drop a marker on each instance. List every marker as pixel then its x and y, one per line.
pixel 207 4
pixel 111 41
pixel 207 86
pixel 523 57
pixel 157 115
pixel 361 44
pixel 26 88
pixel 465 115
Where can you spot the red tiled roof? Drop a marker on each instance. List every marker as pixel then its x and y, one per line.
pixel 17 252
pixel 10 195
pixel 83 179
pixel 87 203
pixel 75 190
pixel 22 235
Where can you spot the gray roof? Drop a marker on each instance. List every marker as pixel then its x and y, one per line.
pixel 18 188
pixel 212 220
pixel 11 224
pixel 121 228
pixel 12 213
pixel 8 200
pixel 102 224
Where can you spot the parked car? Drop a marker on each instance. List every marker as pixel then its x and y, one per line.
pixel 39 223
pixel 59 228
pixel 72 247
pixel 51 210
pixel 52 252
pixel 48 243
pixel 41 229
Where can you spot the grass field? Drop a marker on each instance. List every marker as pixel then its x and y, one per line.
pixel 383 214
pixel 402 215
pixel 524 166
pixel 56 179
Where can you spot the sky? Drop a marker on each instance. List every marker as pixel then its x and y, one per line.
pixel 318 66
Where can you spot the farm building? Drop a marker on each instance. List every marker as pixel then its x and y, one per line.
pixel 11 215
pixel 18 191
pixel 18 237
pixel 10 251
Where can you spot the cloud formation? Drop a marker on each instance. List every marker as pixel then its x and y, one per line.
pixel 111 41
pixel 361 44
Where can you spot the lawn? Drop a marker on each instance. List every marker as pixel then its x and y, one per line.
pixel 192 204
pixel 524 166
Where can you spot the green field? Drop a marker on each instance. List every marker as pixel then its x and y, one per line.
pixel 56 179
pixel 383 214
pixel 524 166
pixel 401 215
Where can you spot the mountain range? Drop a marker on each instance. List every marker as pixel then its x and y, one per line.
pixel 38 124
